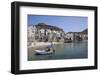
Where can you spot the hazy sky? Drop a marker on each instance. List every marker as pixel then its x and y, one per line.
pixel 67 23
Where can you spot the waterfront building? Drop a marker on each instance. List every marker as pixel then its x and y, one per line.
pixel 76 36
pixel 47 33
pixel 44 33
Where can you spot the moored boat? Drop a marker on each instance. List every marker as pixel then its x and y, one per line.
pixel 48 50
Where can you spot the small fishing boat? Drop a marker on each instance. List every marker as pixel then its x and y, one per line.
pixel 47 51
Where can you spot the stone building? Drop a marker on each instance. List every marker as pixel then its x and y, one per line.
pixel 76 36
pixel 44 33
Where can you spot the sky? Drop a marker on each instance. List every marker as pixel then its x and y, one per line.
pixel 67 23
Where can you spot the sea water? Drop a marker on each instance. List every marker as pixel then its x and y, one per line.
pixel 73 50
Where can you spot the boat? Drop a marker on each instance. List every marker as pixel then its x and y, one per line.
pixel 47 51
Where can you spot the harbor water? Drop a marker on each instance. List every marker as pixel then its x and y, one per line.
pixel 73 50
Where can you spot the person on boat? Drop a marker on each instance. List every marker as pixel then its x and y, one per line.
pixel 49 48
pixel 52 47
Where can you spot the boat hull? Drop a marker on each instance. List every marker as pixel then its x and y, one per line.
pixel 38 52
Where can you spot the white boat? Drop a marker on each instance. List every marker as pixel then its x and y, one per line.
pixel 48 50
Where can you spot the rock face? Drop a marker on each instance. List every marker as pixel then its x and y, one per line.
pixel 85 31
pixel 45 26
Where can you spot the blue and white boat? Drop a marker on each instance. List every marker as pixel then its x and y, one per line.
pixel 48 51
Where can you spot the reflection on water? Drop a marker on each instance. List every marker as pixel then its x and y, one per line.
pixel 73 50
